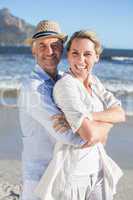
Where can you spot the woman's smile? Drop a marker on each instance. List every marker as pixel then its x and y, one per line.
pixel 81 66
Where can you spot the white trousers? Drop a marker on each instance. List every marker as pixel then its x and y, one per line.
pixel 84 188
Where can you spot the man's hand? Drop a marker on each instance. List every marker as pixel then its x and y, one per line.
pixel 60 123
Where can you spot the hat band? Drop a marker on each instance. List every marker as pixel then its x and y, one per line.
pixel 44 33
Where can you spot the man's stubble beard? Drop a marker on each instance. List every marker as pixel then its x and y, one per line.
pixel 49 68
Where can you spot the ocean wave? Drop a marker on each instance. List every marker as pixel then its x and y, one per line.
pixel 129 113
pixel 115 86
pixel 119 87
pixel 9 91
pixel 124 60
pixel 9 85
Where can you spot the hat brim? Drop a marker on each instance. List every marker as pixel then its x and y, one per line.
pixel 61 36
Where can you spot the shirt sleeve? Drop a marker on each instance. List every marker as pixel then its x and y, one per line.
pixel 107 97
pixel 41 107
pixel 67 97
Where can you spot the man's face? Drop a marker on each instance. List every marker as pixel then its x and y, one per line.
pixel 48 52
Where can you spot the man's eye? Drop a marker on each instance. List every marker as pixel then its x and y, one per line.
pixel 56 46
pixel 42 47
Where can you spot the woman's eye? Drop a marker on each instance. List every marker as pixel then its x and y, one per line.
pixel 74 53
pixel 87 54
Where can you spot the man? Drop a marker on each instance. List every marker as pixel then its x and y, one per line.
pixel 37 106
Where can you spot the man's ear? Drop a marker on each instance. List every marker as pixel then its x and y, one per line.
pixel 33 48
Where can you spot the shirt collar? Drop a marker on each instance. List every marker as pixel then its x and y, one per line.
pixel 44 75
pixel 92 80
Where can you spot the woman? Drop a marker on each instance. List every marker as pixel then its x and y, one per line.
pixel 83 173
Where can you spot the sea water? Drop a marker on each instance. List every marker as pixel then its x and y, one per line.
pixel 116 74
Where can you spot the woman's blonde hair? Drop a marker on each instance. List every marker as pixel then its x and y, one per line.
pixel 87 35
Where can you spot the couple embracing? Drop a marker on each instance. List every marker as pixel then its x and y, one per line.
pixel 65 121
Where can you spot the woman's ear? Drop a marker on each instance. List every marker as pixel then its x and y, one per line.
pixel 97 58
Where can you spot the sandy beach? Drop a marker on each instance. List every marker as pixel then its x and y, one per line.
pixel 119 146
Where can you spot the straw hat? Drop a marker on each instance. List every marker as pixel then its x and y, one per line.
pixel 47 28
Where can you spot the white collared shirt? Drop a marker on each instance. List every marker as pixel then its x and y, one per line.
pixel 36 106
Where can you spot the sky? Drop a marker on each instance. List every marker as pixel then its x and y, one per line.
pixel 111 20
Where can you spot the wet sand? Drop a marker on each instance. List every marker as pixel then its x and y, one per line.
pixel 119 146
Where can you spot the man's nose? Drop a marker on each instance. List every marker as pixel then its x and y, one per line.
pixel 49 50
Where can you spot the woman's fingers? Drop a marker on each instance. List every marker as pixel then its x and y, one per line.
pixel 57 117
pixel 91 142
pixel 84 145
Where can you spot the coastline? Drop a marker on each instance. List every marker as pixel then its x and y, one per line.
pixel 119 147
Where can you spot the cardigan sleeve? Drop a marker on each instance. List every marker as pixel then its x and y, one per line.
pixel 67 96
pixel 107 97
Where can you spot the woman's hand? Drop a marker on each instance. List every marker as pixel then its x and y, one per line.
pixel 60 123
pixel 114 114
pixel 98 133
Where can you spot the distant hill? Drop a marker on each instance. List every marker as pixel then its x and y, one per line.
pixel 13 30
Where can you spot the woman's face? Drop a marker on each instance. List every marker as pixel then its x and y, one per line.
pixel 82 57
